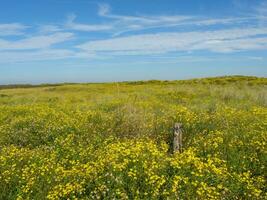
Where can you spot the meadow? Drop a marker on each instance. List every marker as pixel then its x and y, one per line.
pixel 114 140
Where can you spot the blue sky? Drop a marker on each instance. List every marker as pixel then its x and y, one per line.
pixel 97 41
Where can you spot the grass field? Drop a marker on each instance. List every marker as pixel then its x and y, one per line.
pixel 113 140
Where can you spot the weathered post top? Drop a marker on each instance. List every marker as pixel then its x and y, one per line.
pixel 177 126
pixel 177 138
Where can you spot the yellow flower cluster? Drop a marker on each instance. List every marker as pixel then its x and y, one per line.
pixel 114 141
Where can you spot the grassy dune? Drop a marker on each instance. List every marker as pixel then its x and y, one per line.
pixel 113 140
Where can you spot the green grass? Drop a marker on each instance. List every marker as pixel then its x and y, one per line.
pixel 114 140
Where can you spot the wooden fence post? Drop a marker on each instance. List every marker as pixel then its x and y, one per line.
pixel 177 138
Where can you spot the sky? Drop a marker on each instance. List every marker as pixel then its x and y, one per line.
pixel 56 41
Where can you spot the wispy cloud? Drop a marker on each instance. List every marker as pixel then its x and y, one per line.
pixel 120 24
pixel 129 23
pixel 104 9
pixel 261 13
pixel 255 58
pixel 41 55
pixel 217 41
pixel 262 8
pixel 164 34
pixel 10 57
pixel 12 29
pixel 70 24
pixel 117 25
pixel 35 42
pixel 49 29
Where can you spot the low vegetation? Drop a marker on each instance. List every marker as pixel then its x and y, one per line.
pixel 113 140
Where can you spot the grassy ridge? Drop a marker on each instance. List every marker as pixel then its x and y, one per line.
pixel 212 80
pixel 113 140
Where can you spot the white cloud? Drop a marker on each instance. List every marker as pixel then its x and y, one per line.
pixel 49 29
pixel 262 8
pixel 218 41
pixel 70 24
pixel 103 9
pixel 119 24
pixel 36 42
pixel 129 23
pixel 233 20
pixel 39 55
pixel 262 14
pixel 6 57
pixel 12 29
pixel 177 21
pixel 255 58
pixel 233 45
